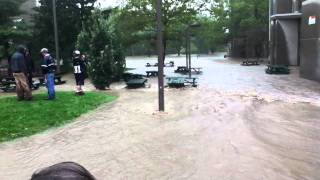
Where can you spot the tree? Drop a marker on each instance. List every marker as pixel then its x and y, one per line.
pixel 71 17
pixel 102 43
pixel 9 9
pixel 140 16
pixel 11 29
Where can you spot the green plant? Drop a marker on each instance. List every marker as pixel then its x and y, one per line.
pixel 102 44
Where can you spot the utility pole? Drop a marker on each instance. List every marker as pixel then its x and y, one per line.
pixel 56 38
pixel 160 55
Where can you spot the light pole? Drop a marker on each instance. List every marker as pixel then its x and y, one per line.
pixel 56 38
pixel 160 55
pixel 188 46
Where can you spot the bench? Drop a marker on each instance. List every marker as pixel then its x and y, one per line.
pixel 277 69
pixel 152 73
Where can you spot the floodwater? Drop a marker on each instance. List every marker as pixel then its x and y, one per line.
pixel 238 124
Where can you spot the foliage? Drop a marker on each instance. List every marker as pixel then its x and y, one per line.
pixel 138 21
pixel 101 41
pixel 71 15
pixel 11 28
pixel 8 9
pixel 20 119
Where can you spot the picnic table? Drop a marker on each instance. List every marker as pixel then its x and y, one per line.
pixel 57 80
pixel 152 73
pixel 250 63
pixel 197 70
pixel 152 65
pixel 8 84
pixel 277 69
pixel 135 80
pixel 185 70
pixel 178 82
pixel 182 69
pixel 136 83
pixel 170 64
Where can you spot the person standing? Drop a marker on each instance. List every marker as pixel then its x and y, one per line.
pixel 30 67
pixel 19 68
pixel 79 71
pixel 48 68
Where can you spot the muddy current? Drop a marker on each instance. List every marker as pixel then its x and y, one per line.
pixel 238 124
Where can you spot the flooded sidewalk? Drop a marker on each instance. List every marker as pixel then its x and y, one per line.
pixel 238 124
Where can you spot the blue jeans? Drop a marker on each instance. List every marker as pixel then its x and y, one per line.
pixel 50 85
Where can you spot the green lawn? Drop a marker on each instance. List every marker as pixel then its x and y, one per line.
pixel 19 119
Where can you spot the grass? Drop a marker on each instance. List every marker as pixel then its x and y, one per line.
pixel 20 119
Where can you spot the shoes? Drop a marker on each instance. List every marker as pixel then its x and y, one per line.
pixel 49 99
pixel 81 93
pixel 28 99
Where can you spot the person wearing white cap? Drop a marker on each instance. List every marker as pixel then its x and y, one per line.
pixel 48 68
pixel 79 71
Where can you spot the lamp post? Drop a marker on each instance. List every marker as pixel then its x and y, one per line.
pixel 188 46
pixel 160 55
pixel 56 38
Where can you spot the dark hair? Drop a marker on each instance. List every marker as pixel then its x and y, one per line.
pixel 21 48
pixel 63 171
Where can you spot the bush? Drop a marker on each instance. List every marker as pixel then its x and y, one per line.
pixel 101 43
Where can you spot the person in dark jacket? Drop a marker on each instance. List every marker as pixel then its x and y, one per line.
pixel 48 68
pixel 79 67
pixel 63 171
pixel 30 67
pixel 19 69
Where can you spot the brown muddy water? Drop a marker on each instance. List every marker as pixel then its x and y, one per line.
pixel 238 124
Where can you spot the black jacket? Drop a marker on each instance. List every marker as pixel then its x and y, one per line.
pixel 79 66
pixel 48 65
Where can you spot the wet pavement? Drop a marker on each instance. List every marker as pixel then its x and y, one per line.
pixel 238 124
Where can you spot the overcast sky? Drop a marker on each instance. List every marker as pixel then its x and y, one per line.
pixel 108 3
